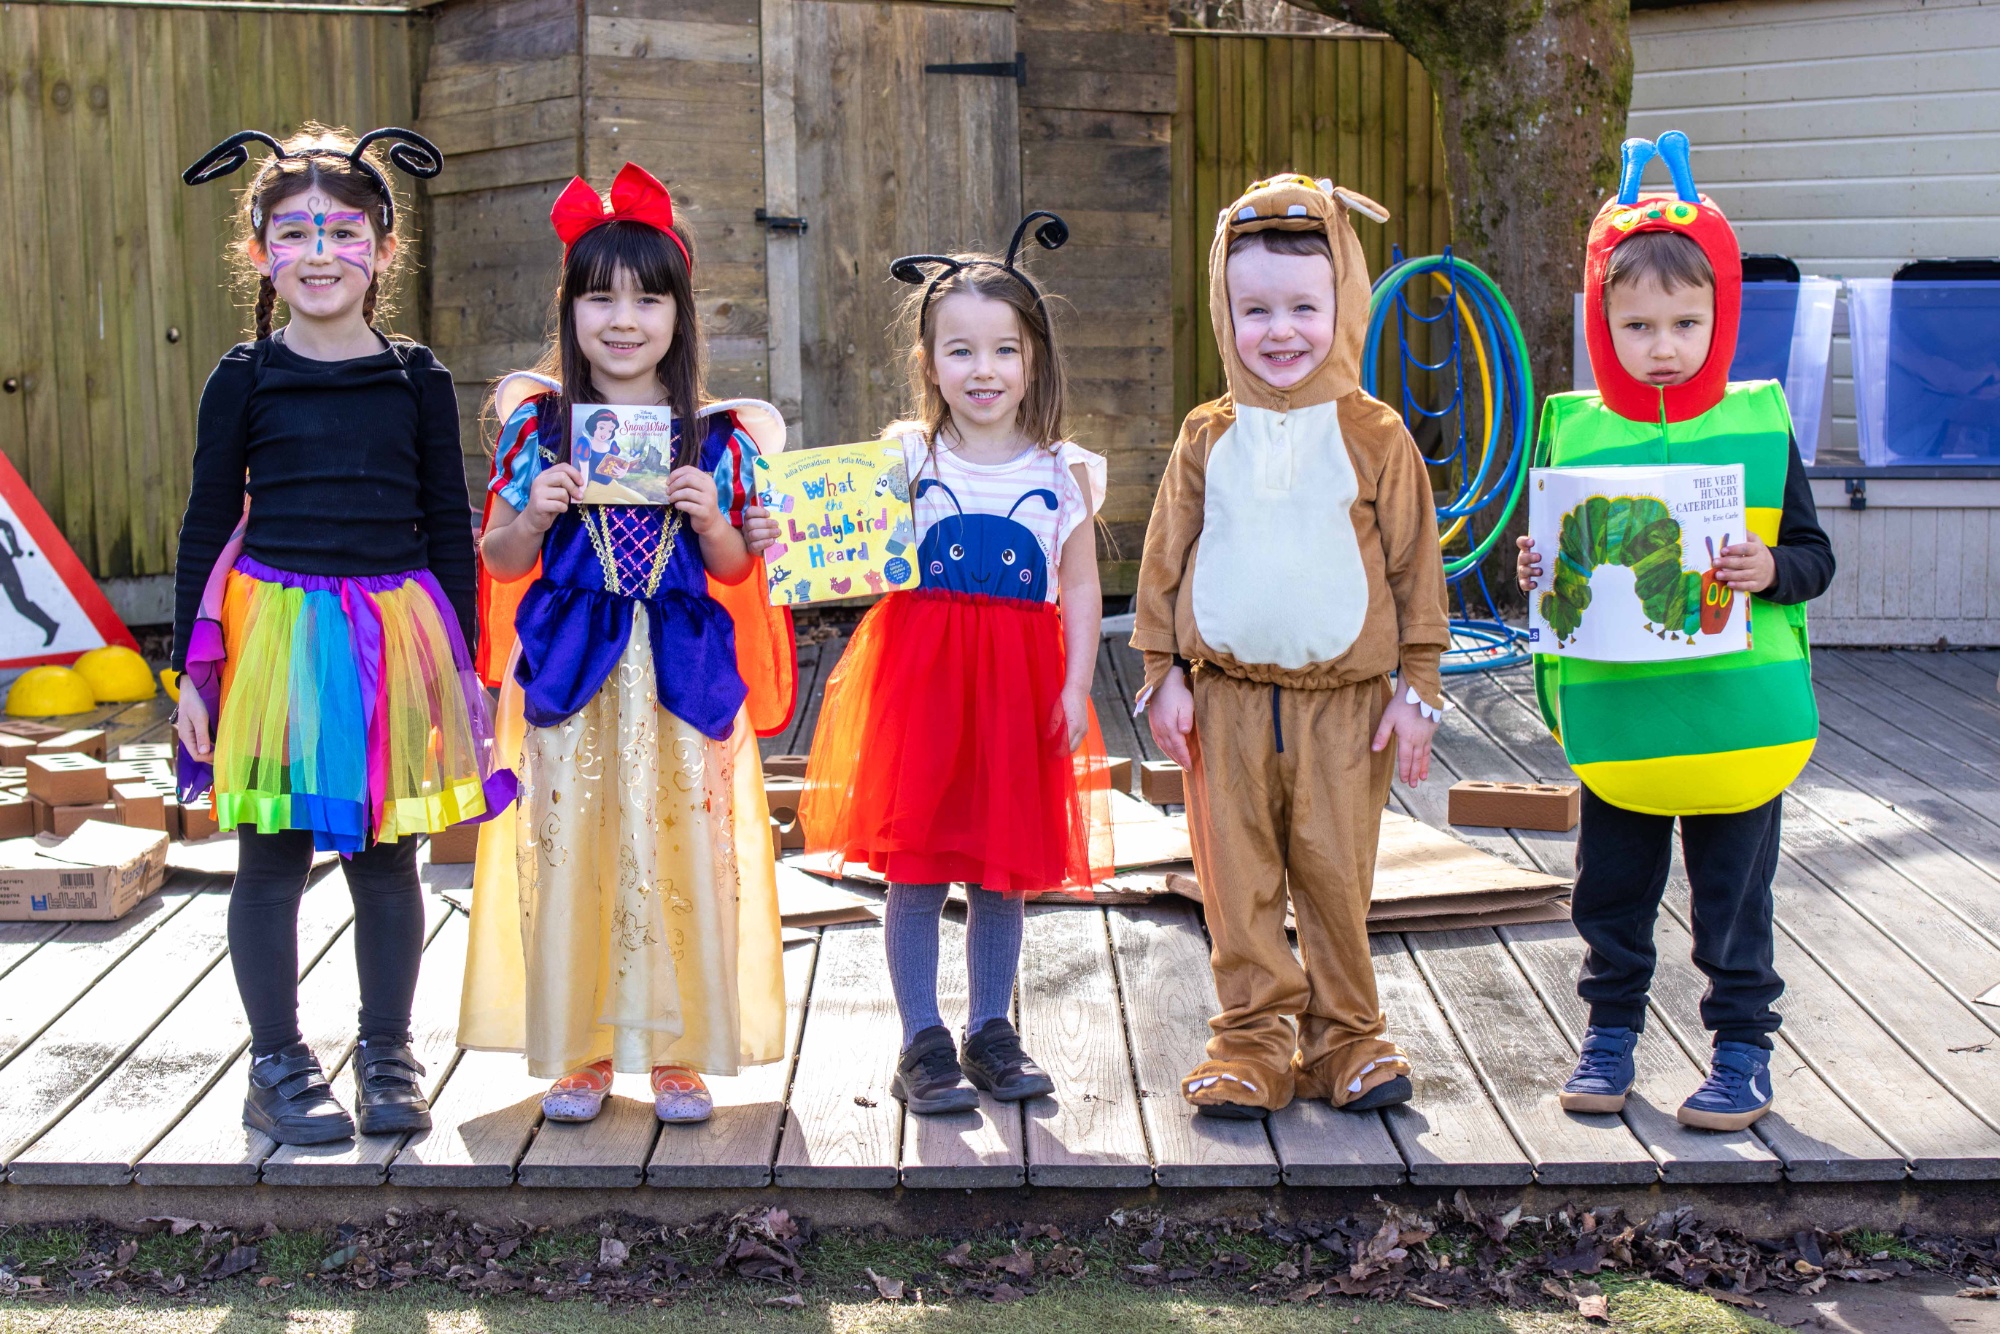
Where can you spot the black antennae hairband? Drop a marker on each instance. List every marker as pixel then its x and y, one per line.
pixel 408 150
pixel 1049 236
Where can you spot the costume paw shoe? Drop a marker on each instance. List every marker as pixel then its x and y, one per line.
pixel 928 1079
pixel 1736 1092
pixel 1236 1090
pixel 993 1060
pixel 1382 1082
pixel 387 1098
pixel 290 1100
pixel 1603 1074
pixel 579 1095
pixel 679 1096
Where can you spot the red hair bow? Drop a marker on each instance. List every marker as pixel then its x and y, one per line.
pixel 636 196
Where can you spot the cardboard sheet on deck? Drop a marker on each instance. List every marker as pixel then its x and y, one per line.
pixel 216 855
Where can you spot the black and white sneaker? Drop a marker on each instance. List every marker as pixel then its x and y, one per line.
pixel 927 1075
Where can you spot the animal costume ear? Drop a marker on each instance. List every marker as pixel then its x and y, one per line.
pixel 911 269
pixel 1673 147
pixel 228 156
pixel 1633 155
pixel 410 153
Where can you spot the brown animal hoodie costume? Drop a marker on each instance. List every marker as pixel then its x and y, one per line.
pixel 1293 559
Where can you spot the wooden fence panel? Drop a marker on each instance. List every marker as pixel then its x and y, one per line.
pixel 118 289
pixel 1358 110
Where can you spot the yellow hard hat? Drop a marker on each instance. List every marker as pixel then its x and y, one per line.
pixel 48 692
pixel 117 675
pixel 170 681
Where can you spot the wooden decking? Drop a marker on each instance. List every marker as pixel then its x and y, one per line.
pixel 122 1045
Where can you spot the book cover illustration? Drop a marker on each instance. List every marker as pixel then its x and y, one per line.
pixel 844 523
pixel 624 452
pixel 1628 562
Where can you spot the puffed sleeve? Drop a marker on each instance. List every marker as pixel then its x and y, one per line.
pixel 517 457
pixel 1079 505
pixel 735 470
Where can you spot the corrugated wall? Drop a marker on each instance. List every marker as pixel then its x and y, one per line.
pixel 117 288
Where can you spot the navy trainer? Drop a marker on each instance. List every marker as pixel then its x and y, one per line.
pixel 1736 1092
pixel 1603 1074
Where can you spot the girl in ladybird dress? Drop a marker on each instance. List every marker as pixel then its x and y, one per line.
pixel 956 741
pixel 627 919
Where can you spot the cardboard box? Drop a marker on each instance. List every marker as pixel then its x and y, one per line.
pixel 140 806
pixel 89 741
pixel 460 843
pixel 783 795
pixel 198 820
pixel 66 820
pixel 1121 773
pixel 1555 807
pixel 30 729
pixel 785 766
pixel 14 751
pixel 17 817
pixel 98 874
pixel 1160 783
pixel 148 750
pixel 67 779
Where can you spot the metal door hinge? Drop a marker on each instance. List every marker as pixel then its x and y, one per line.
pixel 1015 69
pixel 795 226
pixel 1857 493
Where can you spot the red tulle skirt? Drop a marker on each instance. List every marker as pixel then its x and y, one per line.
pixel 942 755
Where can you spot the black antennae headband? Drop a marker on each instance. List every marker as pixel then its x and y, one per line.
pixel 409 151
pixel 911 269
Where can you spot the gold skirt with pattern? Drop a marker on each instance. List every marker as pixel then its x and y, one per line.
pixel 629 910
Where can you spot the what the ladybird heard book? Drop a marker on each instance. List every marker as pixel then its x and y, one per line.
pixel 844 523
pixel 625 453
pixel 1628 559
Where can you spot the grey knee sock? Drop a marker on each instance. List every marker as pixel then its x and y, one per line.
pixel 910 938
pixel 992 953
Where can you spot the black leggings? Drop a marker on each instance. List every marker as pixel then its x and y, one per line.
pixel 271 877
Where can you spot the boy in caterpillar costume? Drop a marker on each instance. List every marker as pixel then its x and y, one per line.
pixel 1710 742
pixel 1291 566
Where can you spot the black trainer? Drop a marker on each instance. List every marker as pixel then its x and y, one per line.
pixel 927 1075
pixel 993 1060
pixel 387 1098
pixel 290 1100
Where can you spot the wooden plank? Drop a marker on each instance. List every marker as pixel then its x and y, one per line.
pixel 101 1137
pixel 1521 1059
pixel 70 1056
pixel 1810 1126
pixel 779 37
pixel 1089 1133
pixel 1449 1133
pixel 46 983
pixel 605 1154
pixel 1128 665
pixel 1931 709
pixel 734 1148
pixel 1550 953
pixel 979 1148
pixel 1114 714
pixel 20 940
pixel 482 1121
pixel 364 1160
pixel 1162 960
pixel 1851 714
pixel 1960 671
pixel 842 1125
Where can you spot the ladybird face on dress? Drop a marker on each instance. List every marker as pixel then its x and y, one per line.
pixel 984 553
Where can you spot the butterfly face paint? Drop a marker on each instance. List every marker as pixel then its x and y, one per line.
pixel 320 231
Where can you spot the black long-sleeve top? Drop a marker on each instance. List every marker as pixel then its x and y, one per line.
pixel 1803 555
pixel 353 468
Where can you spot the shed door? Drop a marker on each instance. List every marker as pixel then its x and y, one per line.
pixel 891 160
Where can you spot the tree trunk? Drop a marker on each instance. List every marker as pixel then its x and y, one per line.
pixel 1533 96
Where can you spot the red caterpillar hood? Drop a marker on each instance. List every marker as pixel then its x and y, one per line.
pixel 1694 215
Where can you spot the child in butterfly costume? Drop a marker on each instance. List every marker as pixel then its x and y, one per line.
pixel 627 918
pixel 1291 565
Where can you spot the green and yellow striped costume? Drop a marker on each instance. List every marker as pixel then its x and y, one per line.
pixel 1704 736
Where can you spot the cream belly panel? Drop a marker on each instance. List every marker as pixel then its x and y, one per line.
pixel 1278 577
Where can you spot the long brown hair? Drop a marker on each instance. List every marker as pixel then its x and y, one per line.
pixel 282 177
pixel 1041 416
pixel 660 269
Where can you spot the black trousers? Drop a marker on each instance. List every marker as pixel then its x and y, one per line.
pixel 271 877
pixel 1622 861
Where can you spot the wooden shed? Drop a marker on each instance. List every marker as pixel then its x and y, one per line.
pixel 809 142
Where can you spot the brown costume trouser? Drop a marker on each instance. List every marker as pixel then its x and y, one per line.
pixel 1285 793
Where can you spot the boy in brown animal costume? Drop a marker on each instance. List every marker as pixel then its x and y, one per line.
pixel 1291 567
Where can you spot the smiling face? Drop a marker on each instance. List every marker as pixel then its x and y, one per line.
pixel 1282 308
pixel 321 254
pixel 624 331
pixel 1661 334
pixel 979 358
pixel 602 432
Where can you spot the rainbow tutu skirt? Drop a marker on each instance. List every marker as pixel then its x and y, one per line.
pixel 349 708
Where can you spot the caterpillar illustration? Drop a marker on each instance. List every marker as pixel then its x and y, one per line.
pixel 1638 532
